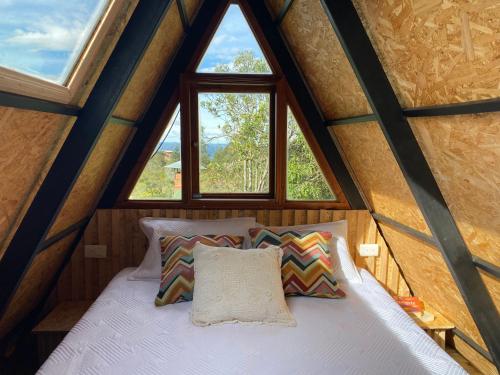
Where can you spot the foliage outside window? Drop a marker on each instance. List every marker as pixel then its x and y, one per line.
pixel 305 181
pixel 234 142
pixel 161 178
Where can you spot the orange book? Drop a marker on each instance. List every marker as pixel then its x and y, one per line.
pixel 410 304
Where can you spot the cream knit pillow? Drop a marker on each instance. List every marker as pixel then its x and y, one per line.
pixel 238 286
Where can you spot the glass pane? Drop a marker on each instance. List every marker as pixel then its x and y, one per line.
pixel 233 48
pixel 234 142
pixel 305 181
pixel 162 177
pixel 45 38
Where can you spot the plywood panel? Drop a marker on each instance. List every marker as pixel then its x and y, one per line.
pixel 481 363
pixel 436 52
pixel 118 229
pixel 35 284
pixel 464 155
pixel 378 173
pixel 428 277
pixel 29 142
pixel 322 60
pixel 153 65
pixel 191 8
pixel 90 182
pixel 275 6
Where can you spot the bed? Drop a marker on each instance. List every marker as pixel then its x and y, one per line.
pixel 366 333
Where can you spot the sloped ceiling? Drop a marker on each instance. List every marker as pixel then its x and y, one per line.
pixel 433 52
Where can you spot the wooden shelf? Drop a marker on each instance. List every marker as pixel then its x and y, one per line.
pixel 436 328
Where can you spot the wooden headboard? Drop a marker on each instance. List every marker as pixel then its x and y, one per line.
pixel 118 229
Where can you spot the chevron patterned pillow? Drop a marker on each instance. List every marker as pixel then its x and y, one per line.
pixel 306 269
pixel 177 275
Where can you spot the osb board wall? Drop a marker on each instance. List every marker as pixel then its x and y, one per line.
pixel 93 177
pixel 29 142
pixel 481 363
pixel 378 173
pixel 152 67
pixel 428 277
pixel 436 52
pixel 34 285
pixel 464 155
pixel 322 60
pixel 191 8
pixel 85 278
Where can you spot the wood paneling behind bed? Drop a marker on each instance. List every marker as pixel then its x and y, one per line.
pixel 118 229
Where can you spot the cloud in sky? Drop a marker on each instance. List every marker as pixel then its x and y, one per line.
pixel 44 38
pixel 232 37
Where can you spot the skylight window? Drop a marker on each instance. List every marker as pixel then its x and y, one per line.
pixel 233 48
pixel 45 38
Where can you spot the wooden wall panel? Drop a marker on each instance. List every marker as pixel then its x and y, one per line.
pixel 152 67
pixel 322 60
pixel 469 353
pixel 464 155
pixel 118 229
pixel 428 277
pixel 35 284
pixel 93 176
pixel 29 142
pixel 436 52
pixel 378 173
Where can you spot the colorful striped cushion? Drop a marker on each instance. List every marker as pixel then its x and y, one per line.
pixel 177 276
pixel 306 268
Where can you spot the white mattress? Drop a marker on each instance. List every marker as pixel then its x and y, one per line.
pixel 366 333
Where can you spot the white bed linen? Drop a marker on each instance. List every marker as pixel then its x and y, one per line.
pixel 366 333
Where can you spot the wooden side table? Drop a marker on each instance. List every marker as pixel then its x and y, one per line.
pixel 51 330
pixel 437 328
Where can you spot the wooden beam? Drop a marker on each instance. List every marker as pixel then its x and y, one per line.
pixel 34 104
pixel 79 144
pixel 411 160
pixel 165 91
pixel 306 102
pixel 59 236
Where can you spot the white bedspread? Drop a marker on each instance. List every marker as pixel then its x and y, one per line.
pixel 366 333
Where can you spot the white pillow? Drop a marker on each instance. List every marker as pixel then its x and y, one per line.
pixel 344 266
pixel 154 228
pixel 238 286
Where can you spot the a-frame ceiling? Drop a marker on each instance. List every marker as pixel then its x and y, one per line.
pixel 403 189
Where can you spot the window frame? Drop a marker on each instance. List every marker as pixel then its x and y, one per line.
pixel 227 83
pixel 15 82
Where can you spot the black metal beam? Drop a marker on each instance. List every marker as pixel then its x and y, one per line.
pixel 76 149
pixel 306 102
pixel 467 108
pixel 165 91
pixel 283 11
pixel 35 104
pixel 65 232
pixel 351 120
pixel 405 229
pixel 411 160
pixel 183 14
pixel 472 344
pixel 122 121
pixel 486 266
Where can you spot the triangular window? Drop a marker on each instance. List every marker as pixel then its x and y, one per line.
pixel 45 38
pixel 234 48
pixel 162 177
pixel 305 180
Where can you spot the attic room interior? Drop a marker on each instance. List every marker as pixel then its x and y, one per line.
pixel 249 187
